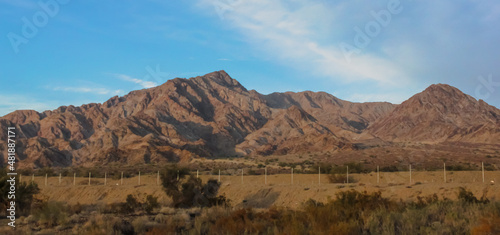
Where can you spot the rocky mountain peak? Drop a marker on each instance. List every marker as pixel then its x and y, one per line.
pixel 443 92
pixel 439 113
pixel 215 116
pixel 221 78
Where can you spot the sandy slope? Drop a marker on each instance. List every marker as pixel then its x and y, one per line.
pixel 279 191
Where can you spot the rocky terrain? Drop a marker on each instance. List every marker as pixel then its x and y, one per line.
pixel 438 114
pixel 214 116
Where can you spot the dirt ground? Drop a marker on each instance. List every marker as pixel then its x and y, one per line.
pixel 253 191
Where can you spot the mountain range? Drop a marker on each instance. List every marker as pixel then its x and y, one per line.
pixel 214 116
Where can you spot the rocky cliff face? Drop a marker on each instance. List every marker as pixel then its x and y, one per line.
pixel 215 116
pixel 438 114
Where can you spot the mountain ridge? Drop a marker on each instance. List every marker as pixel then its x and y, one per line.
pixel 215 116
pixel 440 113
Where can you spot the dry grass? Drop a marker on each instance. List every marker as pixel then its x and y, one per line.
pixel 280 190
pixel 349 212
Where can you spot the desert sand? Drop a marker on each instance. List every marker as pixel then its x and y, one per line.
pixel 279 190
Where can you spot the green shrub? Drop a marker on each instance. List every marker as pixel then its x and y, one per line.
pixel 130 205
pixel 489 167
pixel 25 171
pixel 45 171
pixel 350 212
pixel 354 167
pixel 389 169
pixel 123 227
pixel 151 203
pixel 140 224
pixel 24 193
pixel 51 213
pixel 100 224
pixel 188 191
pixel 75 209
pixel 252 172
pixel 468 197
pixel 340 179
pixel 458 168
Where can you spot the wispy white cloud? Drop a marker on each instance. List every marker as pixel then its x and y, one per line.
pixel 395 98
pixel 142 83
pixel 293 33
pixel 98 91
pixel 427 42
pixel 11 103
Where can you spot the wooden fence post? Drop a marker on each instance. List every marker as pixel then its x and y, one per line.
pixel 482 168
pixel 347 178
pixel 410 173
pixel 265 175
pixel 444 170
pixel 319 175
pixel 378 175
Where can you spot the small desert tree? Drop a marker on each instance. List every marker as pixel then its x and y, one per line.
pixel 188 191
pixel 151 203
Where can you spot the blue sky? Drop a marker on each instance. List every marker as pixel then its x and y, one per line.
pixel 63 52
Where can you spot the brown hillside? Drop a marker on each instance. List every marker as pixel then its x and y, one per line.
pixel 215 116
pixel 438 114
